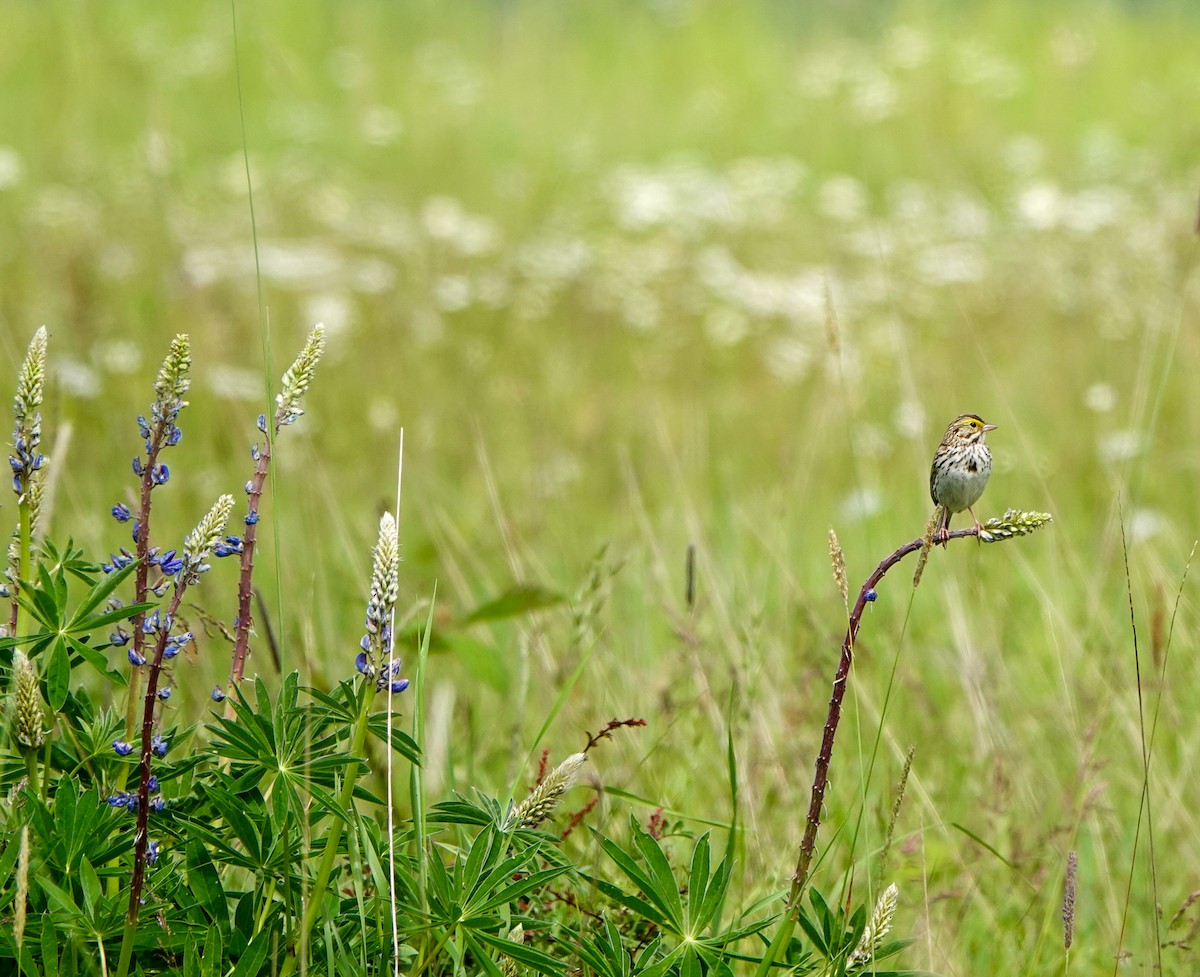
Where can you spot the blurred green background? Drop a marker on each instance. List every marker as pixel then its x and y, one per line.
pixel 645 275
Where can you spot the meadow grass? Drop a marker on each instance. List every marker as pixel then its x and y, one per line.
pixel 648 276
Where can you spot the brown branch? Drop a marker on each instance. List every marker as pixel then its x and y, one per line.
pixel 821 778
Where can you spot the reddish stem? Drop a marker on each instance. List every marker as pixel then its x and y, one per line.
pixel 141 836
pixel 821 778
pixel 241 645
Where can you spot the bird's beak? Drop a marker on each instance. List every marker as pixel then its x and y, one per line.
pixel 988 427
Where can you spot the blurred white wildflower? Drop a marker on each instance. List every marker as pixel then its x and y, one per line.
pixel 381 126
pixel 446 220
pixel 1120 446
pixel 230 382
pixel 986 71
pixel 119 357
pixel 555 258
pixel 11 167
pixel 906 47
pixel 76 377
pixel 1041 206
pixel 332 308
pixel 843 198
pixel 1096 208
pixel 371 276
pixel 1024 155
pixel 383 415
pixel 156 151
pixel 681 194
pixel 452 293
pixel 1072 47
pixel 455 80
pixel 788 358
pixel 725 326
pixel 873 96
pixel 861 503
pixel 66 207
pixel 952 264
pixel 909 419
pixel 349 68
pixel 1100 397
pixel 1145 524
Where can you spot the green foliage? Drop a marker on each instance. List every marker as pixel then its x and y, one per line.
pixel 257 838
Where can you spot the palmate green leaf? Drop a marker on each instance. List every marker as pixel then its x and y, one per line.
pixel 486 850
pixel 483 959
pixel 402 743
pixel 60 899
pixel 58 676
pixel 638 905
pixel 104 588
pixel 90 883
pixel 813 933
pixel 251 961
pixel 212 962
pixel 656 882
pixel 205 884
pixel 98 660
pixel 539 960
pixel 236 812
pixel 460 811
pixel 8 861
pixel 48 944
pixel 518 889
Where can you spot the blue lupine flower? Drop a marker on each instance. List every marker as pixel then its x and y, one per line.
pixel 121 512
pixel 159 746
pixel 248 487
pixel 152 784
pixel 138 468
pixel 870 595
pixel 122 748
pixel 174 436
pixel 161 474
pixel 389 675
pixel 136 659
pixel 262 423
pixel 118 638
pixel 255 451
pixel 217 694
pixel 152 852
pixel 171 564
pixel 363 663
pixel 229 546
pixel 164 693
pixel 251 518
pixel 157 804
pixel 143 426
pixel 118 799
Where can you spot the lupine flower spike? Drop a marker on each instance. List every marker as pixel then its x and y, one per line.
pixel 375 660
pixel 31 729
pixel 544 798
pixel 27 463
pixel 294 385
pixel 160 431
pixel 196 550
pixel 877 928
